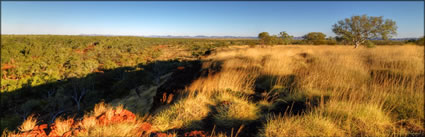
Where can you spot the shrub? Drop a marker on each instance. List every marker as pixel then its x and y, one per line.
pixel 369 44
pixel 316 38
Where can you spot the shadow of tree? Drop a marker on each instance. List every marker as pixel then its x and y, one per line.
pixel 64 97
pixel 72 97
pixel 279 88
pixel 264 83
pixel 208 125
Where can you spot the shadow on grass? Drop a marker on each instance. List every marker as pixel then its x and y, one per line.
pixel 72 97
pixel 389 76
pixel 208 126
pixel 279 90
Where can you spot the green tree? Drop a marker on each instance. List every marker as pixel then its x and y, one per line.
pixel 285 37
pixel 264 38
pixel 342 40
pixel 331 41
pixel 315 38
pixel 273 40
pixel 359 29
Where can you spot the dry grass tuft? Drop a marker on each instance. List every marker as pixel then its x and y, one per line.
pixel 233 111
pixel 99 109
pixel 28 124
pixel 307 125
pixel 63 125
pixel 186 113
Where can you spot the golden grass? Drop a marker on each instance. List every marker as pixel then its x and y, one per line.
pixel 356 118
pixel 186 113
pixel 125 128
pixel 347 92
pixel 233 111
pixel 63 125
pixel 375 88
pixel 29 123
pixel 226 79
pixel 120 129
pixel 99 109
pixel 308 125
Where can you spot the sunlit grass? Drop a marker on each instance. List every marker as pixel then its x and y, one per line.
pixel 340 91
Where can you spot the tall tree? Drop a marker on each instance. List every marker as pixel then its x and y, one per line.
pixel 358 29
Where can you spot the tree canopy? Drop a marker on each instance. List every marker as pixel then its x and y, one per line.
pixel 358 29
pixel 264 37
pixel 285 37
pixel 315 38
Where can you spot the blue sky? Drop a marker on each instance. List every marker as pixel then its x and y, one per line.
pixel 200 18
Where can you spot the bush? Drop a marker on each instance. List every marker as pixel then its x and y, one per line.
pixel 252 44
pixel 369 44
pixel 315 38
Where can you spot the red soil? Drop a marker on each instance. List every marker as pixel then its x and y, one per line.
pixel 180 68
pixel 77 126
pixel 195 133
pixel 7 66
pixel 102 120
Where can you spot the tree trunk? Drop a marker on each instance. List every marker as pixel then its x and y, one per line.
pixel 357 44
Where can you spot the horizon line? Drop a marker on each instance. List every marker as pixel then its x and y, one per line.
pixel 182 36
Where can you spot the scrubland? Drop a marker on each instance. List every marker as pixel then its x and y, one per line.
pixel 279 91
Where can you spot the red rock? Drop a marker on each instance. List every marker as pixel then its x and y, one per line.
pixel 77 126
pixel 163 135
pixel 170 98
pixel 146 126
pixel 42 126
pixel 180 68
pixel 101 120
pixel 7 66
pixel 195 134
pixel 37 131
pixel 67 134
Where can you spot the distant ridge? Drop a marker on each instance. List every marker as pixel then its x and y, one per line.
pixel 172 36
pixel 197 36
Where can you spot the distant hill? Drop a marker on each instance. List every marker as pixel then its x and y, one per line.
pixel 203 36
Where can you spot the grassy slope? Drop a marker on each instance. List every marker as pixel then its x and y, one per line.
pixel 303 91
pixel 323 90
pixel 41 73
